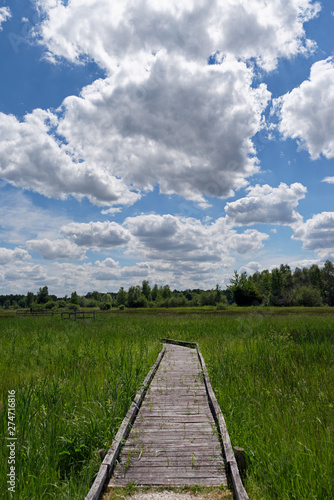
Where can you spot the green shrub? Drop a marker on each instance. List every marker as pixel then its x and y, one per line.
pixel 307 296
pixel 105 306
pixel 38 307
pixel 73 307
pixel 51 304
pixel 92 303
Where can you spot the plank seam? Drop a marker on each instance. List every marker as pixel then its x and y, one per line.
pixel 108 463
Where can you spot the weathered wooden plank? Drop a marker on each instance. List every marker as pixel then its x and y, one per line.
pixel 164 443
pixel 199 450
pixel 184 424
pixel 174 438
pixel 163 435
pixel 175 401
pixel 168 415
pixel 180 391
pixel 178 413
pixel 176 459
pixel 179 463
pixel 143 428
pixel 172 461
pixel 169 438
pixel 169 482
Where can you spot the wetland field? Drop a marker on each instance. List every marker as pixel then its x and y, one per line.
pixel 66 386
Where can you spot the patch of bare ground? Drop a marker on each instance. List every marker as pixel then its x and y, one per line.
pixel 131 492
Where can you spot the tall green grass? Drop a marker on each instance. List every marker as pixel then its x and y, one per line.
pixel 275 385
pixel 273 376
pixel 74 383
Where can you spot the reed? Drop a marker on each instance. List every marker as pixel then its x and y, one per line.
pixel 273 375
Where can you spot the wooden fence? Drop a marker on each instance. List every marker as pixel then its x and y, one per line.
pixel 63 314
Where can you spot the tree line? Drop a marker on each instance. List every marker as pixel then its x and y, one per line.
pixel 279 287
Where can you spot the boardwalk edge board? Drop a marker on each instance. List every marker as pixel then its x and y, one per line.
pixel 232 467
pixel 108 463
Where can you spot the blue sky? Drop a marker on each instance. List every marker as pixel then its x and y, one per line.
pixel 126 154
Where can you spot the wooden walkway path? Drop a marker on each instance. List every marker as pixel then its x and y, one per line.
pixel 174 440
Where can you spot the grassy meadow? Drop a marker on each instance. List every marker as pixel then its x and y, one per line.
pixel 272 371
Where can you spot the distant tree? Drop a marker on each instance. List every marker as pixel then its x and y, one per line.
pixel 106 298
pixel 300 277
pixel 136 298
pixel 83 301
pixel 96 296
pixel 218 294
pixel 74 298
pixel 105 306
pixel 244 290
pixel 307 296
pixel 166 292
pixel 146 289
pixel 51 304
pixel 327 273
pixel 30 298
pixel 154 292
pixel 121 298
pixel 208 298
pixel 73 307
pixel 276 290
pixel 43 295
pixel 195 299
pixel 262 282
pixel 315 277
pixel 188 294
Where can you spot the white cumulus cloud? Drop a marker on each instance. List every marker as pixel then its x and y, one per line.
pixel 18 254
pixel 329 180
pixel 162 116
pixel 111 32
pixel 307 112
pixel 170 122
pixel 184 239
pixel 31 157
pixel 97 234
pixel 317 234
pixel 5 14
pixel 267 205
pixel 56 249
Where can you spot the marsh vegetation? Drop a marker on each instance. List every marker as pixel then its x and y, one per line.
pixel 273 375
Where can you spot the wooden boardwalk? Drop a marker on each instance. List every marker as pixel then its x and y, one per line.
pixel 174 440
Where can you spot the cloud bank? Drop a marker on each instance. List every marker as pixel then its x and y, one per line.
pixel 162 116
pixel 113 32
pixel 306 113
pixel 317 234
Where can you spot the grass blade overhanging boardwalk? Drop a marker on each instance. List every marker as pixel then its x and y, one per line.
pixel 174 439
pixel 109 460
